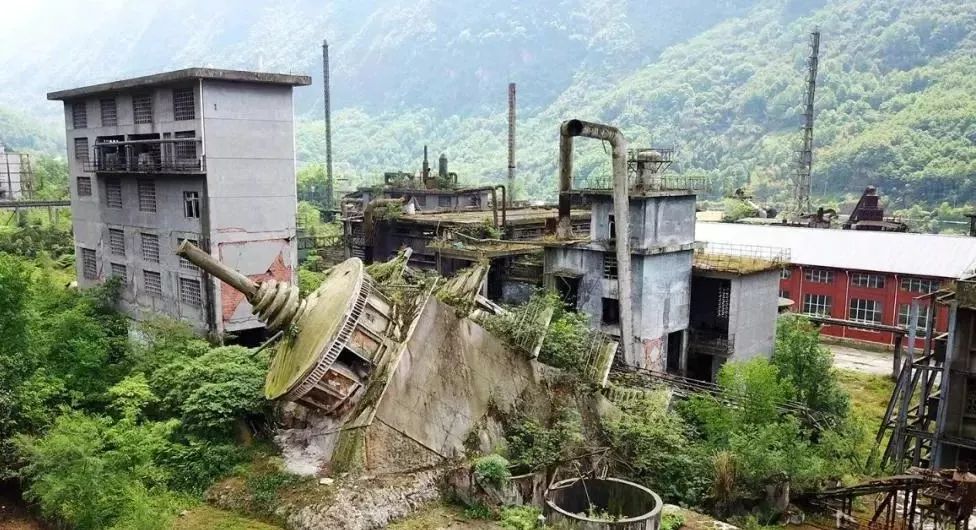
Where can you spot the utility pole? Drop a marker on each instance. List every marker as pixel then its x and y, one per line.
pixel 511 143
pixel 801 180
pixel 327 103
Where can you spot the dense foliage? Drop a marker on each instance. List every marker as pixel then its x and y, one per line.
pixel 104 430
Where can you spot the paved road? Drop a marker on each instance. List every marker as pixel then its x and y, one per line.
pixel 866 361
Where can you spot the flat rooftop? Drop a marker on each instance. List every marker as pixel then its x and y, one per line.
pixel 514 216
pixel 176 76
pixel 932 255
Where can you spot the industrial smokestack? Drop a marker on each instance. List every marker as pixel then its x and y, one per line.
pixel 425 170
pixel 442 167
pixel 327 103
pixel 511 143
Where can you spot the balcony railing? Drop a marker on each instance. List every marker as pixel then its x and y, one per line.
pixel 169 155
pixel 711 342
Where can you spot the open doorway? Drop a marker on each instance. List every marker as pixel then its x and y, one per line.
pixel 674 352
pixel 568 289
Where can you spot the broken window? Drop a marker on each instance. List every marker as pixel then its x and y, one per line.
pixel 613 227
pixel 818 276
pixel 191 204
pixel 443 201
pixel 89 267
pixel 116 241
pixel 79 115
pixel 147 195
pixel 110 112
pixel 868 311
pixel 118 271
pixel 190 291
pixel 611 311
pixel 150 247
pixel 185 150
pixel 84 186
pixel 816 304
pixel 183 106
pixel 113 192
pixel 142 108
pixel 785 273
pixel 862 279
pixel 610 266
pixel 152 283
pixel 81 149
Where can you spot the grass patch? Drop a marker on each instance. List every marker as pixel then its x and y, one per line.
pixel 206 517
pixel 443 516
pixel 869 395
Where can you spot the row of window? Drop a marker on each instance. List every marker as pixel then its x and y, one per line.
pixel 145 191
pixel 148 247
pixel 184 108
pixel 152 281
pixel 864 279
pixel 862 310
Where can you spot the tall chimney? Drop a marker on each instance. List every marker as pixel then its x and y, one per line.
pixel 511 143
pixel 442 166
pixel 425 171
pixel 327 103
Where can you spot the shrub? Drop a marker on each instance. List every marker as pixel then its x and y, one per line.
pixel 520 518
pixel 671 521
pixel 492 470
pixel 532 445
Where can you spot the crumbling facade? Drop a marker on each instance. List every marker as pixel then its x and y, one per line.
pixel 16 181
pixel 200 154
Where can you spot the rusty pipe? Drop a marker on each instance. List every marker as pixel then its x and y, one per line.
pixel 504 206
pixel 621 206
pixel 226 274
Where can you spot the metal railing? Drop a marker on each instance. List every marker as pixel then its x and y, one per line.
pixel 146 165
pixel 634 183
pixel 740 258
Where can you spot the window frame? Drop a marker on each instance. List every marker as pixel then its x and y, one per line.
pixel 867 280
pixel 89 263
pixel 909 283
pixel 80 146
pixel 79 115
pixel 146 193
pixel 150 252
pixel 610 271
pixel 86 190
pixel 921 323
pixel 824 301
pixel 116 241
pixel 109 119
pixel 111 183
pixel 152 290
pixel 860 305
pixel 186 286
pixel 142 115
pixel 817 275
pixel 183 113
pixel 191 204
pixel 119 270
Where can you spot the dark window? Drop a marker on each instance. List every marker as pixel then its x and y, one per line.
pixel 183 106
pixel 186 264
pixel 147 195
pixel 613 227
pixel 84 187
pixel 113 193
pixel 862 279
pixel 904 311
pixel 868 311
pixel 116 241
pixel 81 149
pixel 118 270
pixel 190 291
pixel 142 108
pixel 610 266
pixel 816 304
pixel 444 201
pixel 150 247
pixel 152 282
pixel 785 273
pixel 89 267
pixel 611 311
pixel 919 285
pixel 818 276
pixel 79 115
pixel 783 293
pixel 191 204
pixel 185 150
pixel 110 113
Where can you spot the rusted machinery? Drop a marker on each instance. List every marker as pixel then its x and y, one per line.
pixel 330 341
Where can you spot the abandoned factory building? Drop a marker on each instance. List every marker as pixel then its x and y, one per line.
pixel 198 154
pixel 863 276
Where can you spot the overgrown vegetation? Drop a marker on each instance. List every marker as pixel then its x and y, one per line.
pixel 104 431
pixel 491 470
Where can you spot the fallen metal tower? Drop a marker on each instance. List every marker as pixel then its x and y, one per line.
pixel 327 103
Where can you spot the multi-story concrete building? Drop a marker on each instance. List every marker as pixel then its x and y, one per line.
pixel 199 154
pixel 15 175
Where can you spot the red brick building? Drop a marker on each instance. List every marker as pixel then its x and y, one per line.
pixel 858 275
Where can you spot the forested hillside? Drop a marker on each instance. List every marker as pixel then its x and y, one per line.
pixel 722 81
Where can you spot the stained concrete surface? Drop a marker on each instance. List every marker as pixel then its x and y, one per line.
pixel 858 360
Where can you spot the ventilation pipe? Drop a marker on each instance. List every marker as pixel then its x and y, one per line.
pixel 567 131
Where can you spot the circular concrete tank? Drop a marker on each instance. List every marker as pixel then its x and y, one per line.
pixel 582 503
pixel 344 330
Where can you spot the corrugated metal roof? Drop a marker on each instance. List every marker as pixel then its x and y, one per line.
pixel 942 256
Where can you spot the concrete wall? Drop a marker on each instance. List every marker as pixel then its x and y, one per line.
pixel 250 147
pixel 655 221
pixel 752 314
pixel 661 295
pixel 12 170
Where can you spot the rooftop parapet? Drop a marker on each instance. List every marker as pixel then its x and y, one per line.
pixel 740 259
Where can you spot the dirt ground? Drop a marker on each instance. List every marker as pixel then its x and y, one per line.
pixel 871 362
pixel 13 516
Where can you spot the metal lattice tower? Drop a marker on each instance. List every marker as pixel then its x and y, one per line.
pixel 511 143
pixel 801 180
pixel 327 103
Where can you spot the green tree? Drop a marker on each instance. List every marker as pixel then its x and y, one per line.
pixel 808 367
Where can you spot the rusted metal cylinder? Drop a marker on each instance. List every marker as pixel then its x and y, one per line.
pixel 602 504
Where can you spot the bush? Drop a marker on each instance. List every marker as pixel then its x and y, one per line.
pixel 808 367
pixel 492 470
pixel 533 446
pixel 671 521
pixel 520 518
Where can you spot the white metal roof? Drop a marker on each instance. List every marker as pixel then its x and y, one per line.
pixel 943 256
